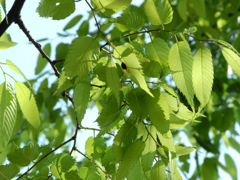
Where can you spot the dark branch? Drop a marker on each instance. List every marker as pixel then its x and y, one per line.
pixel 12 16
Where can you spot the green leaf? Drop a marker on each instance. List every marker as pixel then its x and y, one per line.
pixel 113 78
pixel 72 175
pixel 182 9
pixel 99 147
pixel 199 7
pixel 158 171
pixel 190 30
pixel 180 63
pixel 232 170
pixel 8 113
pixel 81 98
pixel 137 103
pixel 57 9
pixel 109 113
pixel 17 70
pixel 158 12
pixel 89 146
pixel 83 28
pixel 130 21
pixel 176 122
pixel 42 62
pixel 182 150
pixel 27 104
pixel 72 22
pixel 23 156
pixel 233 59
pixel 6 41
pixel 3 4
pixel 202 74
pixel 133 66
pixel 156 113
pixel 8 171
pixel 149 151
pixel 209 169
pixel 82 53
pixel 114 5
pixel 130 158
pixel 167 141
pixel 67 162
pixel 63 83
pixel 229 46
pixel 158 51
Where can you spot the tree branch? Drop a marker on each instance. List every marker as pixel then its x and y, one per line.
pixel 12 16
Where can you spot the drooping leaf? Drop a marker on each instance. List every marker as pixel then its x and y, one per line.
pixel 233 59
pixel 17 70
pixel 176 122
pixel 231 166
pixel 209 169
pixel 130 158
pixel 27 104
pixel 107 161
pixel 158 12
pixel 203 75
pixel 180 63
pixel 63 83
pixel 57 9
pixel 167 141
pixel 72 22
pixel 8 113
pixel 80 98
pixel 41 62
pixel 83 28
pixel 6 41
pixel 72 175
pixel 158 50
pixel 23 156
pixel 182 9
pixel 131 21
pixel 229 46
pixel 89 146
pixel 200 7
pixel 158 171
pixel 67 162
pixel 8 171
pixel 132 65
pixel 182 150
pixel 113 78
pixel 82 53
pixel 3 4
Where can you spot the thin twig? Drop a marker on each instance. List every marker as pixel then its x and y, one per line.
pixel 45 157
pixel 94 129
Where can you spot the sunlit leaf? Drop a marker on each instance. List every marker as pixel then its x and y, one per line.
pixel 202 74
pixel 42 62
pixel 182 150
pixel 73 22
pixel 8 171
pixel 6 42
pixel 57 9
pixel 182 9
pixel 158 12
pixel 158 171
pixel 8 113
pixel 27 104
pixel 180 63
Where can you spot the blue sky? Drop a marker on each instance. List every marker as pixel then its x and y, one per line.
pixel 24 55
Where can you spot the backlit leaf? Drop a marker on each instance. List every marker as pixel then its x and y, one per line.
pixel 158 12
pixel 57 9
pixel 73 22
pixel 42 62
pixel 130 158
pixel 8 113
pixel 158 171
pixel 182 150
pixel 27 104
pixel 8 171
pixel 182 9
pixel 82 53
pixel 114 5
pixel 6 42
pixel 180 63
pixel 203 75
pixel 233 59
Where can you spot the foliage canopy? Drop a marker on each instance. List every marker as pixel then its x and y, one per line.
pixel 158 74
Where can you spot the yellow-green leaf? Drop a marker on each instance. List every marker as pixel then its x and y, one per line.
pixel 6 42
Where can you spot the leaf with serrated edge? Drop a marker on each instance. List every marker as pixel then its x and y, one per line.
pixel 180 62
pixel 17 70
pixel 233 59
pixel 8 171
pixel 113 78
pixel 27 104
pixel 158 50
pixel 158 171
pixel 81 98
pixel 182 150
pixel 115 5
pixel 203 75
pixel 130 158
pixel 82 53
pixel 6 42
pixel 8 113
pixel 158 12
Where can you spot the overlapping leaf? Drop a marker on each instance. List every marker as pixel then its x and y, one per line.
pixel 158 171
pixel 8 113
pixel 113 78
pixel 233 59
pixel 82 52
pixel 203 75
pixel 158 12
pixel 180 63
pixel 81 98
pixel 57 9
pixel 8 171
pixel 27 104
pixel 130 158
pixel 131 21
